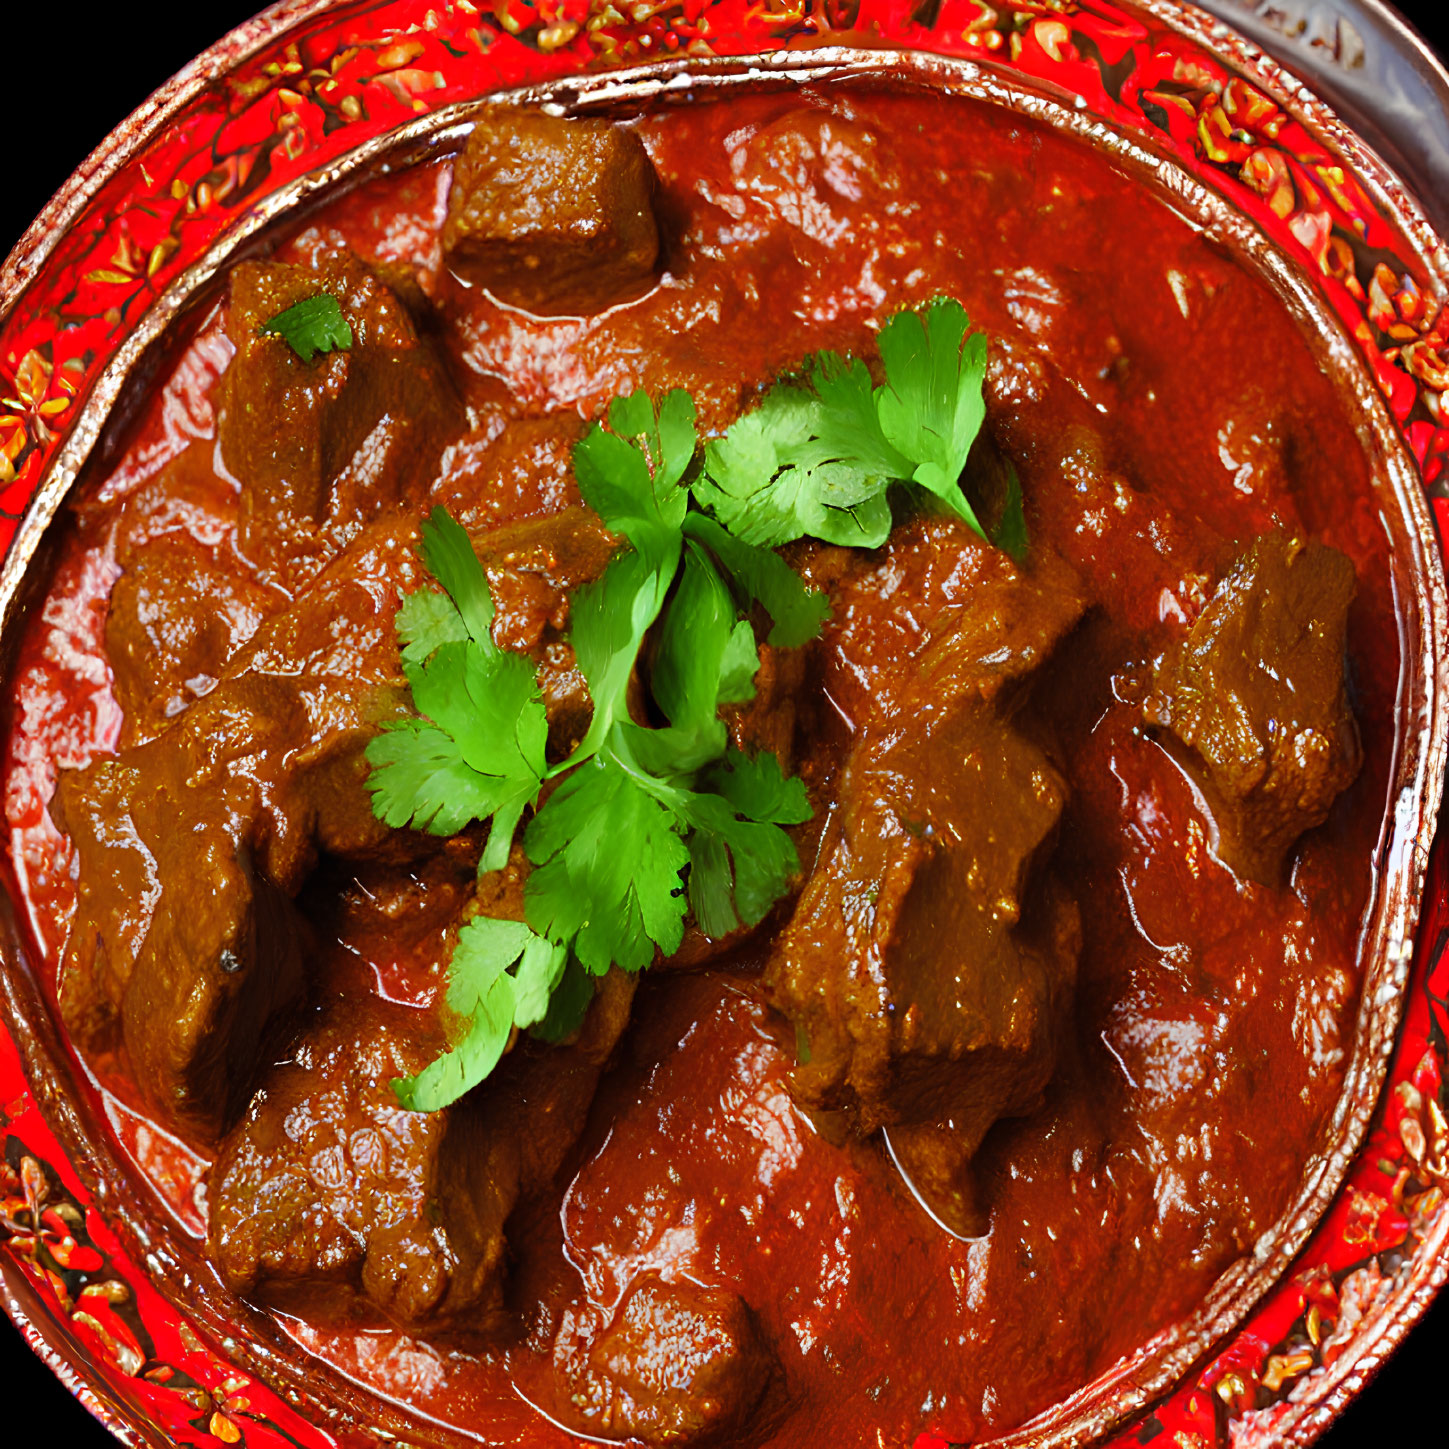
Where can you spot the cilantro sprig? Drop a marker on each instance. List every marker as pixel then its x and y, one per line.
pixel 313 325
pixel 645 823
pixel 817 457
pixel 475 749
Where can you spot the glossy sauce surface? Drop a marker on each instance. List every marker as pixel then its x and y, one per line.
pixel 1162 410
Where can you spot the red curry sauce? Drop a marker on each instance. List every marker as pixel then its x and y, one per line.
pixel 1213 1016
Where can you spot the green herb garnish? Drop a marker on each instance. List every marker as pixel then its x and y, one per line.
pixel 475 750
pixel 818 455
pixel 501 977
pixel 312 326
pixel 647 824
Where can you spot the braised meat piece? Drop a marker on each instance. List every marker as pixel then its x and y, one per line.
pixel 553 216
pixel 929 965
pixel 191 846
pixel 330 1198
pixel 185 601
pixel 504 471
pixel 678 1364
pixel 325 446
pixel 1254 700
pixel 175 618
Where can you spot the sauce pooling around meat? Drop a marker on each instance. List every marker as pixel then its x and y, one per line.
pixel 703 1219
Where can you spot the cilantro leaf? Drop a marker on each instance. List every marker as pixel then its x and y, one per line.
pixel 426 621
pixel 608 859
pixel 419 779
pixel 931 407
pixel 741 860
pixel 668 437
pixel 701 652
pixel 648 823
pixel 739 665
pixel 610 618
pixel 634 485
pixel 1010 532
pixel 740 867
pixel 778 474
pixel 568 1005
pixel 500 979
pixel 313 325
pixel 758 788
pixel 705 656
pixel 759 575
pixel 478 751
pixel 448 552
pixel 817 457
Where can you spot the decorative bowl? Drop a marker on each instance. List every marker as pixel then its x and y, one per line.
pixel 311 93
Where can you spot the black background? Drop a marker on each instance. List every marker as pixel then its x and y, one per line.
pixel 59 103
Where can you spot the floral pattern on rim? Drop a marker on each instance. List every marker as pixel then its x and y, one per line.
pixel 349 74
pixel 45 1228
pixel 304 102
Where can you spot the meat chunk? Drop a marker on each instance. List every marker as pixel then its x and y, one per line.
pixel 1255 702
pixel 175 618
pixel 325 446
pixel 505 471
pixel 930 961
pixel 553 216
pixel 929 966
pixel 191 846
pixel 330 1197
pixel 679 1364
pixel 185 601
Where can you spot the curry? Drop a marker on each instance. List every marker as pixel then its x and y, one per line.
pixel 1050 1002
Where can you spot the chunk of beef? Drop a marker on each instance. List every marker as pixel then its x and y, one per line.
pixel 930 961
pixel 928 966
pixel 678 1364
pixel 192 845
pixel 1255 700
pixel 520 469
pixel 937 600
pixel 330 1197
pixel 175 618
pixel 325 446
pixel 553 216
pixel 184 601
pixel 1126 544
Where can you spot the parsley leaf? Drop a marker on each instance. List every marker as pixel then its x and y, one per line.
pixel 313 325
pixel 759 575
pixel 931 407
pixel 1010 532
pixel 478 751
pixel 608 856
pixel 818 455
pixel 500 979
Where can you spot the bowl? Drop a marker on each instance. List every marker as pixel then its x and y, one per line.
pixel 309 97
